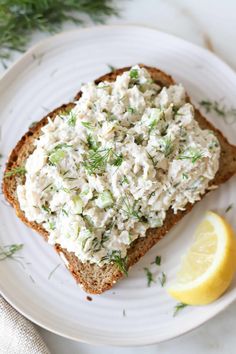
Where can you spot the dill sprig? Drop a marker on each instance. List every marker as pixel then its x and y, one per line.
pixel 152 159
pixel 53 271
pixel 19 170
pixel 157 260
pixel 92 143
pixel 129 207
pixel 9 251
pixel 131 110
pixel 97 160
pixel 72 119
pixel 167 146
pixel 46 208
pixel 87 125
pixel 228 114
pixel 152 125
pixel 229 208
pixel 48 186
pixel 191 154
pixel 162 279
pixel 178 307
pixel 121 263
pixel 20 18
pixel 149 276
pixel 118 159
pixel 124 180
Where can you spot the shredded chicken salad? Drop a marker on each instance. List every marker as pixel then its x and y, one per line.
pixel 105 171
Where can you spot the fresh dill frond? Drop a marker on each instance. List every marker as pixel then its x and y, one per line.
pixel 19 170
pixel 83 243
pixel 97 160
pixel 191 154
pixel 53 271
pixel 46 208
pixel 175 111
pixel 138 139
pixel 105 237
pixel 229 208
pixel 131 110
pixel 96 245
pixel 162 279
pixel 167 146
pixel 129 207
pixel 20 19
pixel 9 250
pixel 179 307
pixel 149 275
pixel 118 159
pixel 48 186
pixel 87 125
pixel 124 180
pixel 157 260
pixel 121 263
pixel 152 159
pixel 152 125
pixel 64 212
pixel 92 143
pixel 72 120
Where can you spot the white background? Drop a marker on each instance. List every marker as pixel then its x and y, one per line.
pixel 209 23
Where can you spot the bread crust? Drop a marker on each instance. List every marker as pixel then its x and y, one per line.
pixel 91 277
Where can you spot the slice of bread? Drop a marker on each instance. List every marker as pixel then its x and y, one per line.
pixel 95 279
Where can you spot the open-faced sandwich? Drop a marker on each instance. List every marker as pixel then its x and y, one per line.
pixel 106 176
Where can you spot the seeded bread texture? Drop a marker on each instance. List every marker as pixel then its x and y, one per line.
pixel 91 277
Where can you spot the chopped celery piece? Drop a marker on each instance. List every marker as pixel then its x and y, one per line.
pixel 56 156
pixel 104 200
pixel 78 204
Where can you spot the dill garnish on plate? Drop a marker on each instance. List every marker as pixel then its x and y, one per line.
pixel 19 19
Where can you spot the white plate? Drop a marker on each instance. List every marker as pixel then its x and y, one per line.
pixel 49 75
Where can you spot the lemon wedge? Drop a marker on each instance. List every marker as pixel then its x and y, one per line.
pixel 207 269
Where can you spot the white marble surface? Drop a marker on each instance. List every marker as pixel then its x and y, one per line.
pixel 209 23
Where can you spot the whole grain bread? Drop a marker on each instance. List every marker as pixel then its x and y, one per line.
pixel 92 278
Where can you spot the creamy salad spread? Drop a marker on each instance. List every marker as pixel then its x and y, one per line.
pixel 107 170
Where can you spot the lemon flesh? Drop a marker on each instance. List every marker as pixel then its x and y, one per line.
pixel 208 268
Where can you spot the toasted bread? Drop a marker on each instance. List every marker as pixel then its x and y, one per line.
pixel 92 278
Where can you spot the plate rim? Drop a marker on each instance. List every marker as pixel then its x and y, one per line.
pixel 46 43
